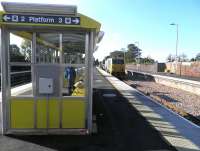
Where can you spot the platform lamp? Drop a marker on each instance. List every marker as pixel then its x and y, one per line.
pixel 124 50
pixel 173 24
pixel 138 57
pixel 176 57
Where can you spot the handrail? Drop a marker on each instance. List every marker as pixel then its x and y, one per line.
pixel 19 72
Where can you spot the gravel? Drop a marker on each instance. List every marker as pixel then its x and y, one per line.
pixel 183 100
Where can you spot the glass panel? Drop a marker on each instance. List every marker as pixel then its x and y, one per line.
pixel 20 81
pixel 20 50
pixel 73 81
pixel 73 48
pixel 49 50
pixel 118 61
pixel 47 47
pixel 20 46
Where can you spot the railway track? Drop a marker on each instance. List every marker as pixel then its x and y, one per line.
pixel 189 85
pixel 165 102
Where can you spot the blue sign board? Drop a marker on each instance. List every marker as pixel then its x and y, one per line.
pixel 41 19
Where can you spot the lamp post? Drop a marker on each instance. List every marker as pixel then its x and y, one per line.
pixel 173 24
pixel 124 50
pixel 138 56
pixel 138 61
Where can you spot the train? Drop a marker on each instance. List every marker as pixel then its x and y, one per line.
pixel 115 64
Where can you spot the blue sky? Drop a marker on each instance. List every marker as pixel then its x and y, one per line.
pixel 144 21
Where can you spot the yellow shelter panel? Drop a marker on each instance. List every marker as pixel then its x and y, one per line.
pixel 54 113
pixel 73 113
pixel 87 22
pixel 42 113
pixel 22 113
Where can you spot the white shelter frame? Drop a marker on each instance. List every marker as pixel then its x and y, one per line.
pixel 5 76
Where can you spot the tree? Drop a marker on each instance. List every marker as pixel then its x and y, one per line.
pixel 182 57
pixel 197 58
pixel 147 60
pixel 192 59
pixel 15 54
pixel 170 58
pixel 133 53
pixel 26 49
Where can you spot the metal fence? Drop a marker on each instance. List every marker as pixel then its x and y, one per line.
pixel 187 69
pixel 151 68
pixel 18 78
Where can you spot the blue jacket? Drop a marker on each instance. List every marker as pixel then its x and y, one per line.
pixel 70 73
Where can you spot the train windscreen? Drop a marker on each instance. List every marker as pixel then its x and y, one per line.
pixel 118 61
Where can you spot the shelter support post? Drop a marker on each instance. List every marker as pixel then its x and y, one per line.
pixel 90 79
pixel 5 86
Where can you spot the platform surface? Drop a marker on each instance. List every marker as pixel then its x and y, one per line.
pixel 120 127
pixel 130 130
pixel 126 121
pixel 179 132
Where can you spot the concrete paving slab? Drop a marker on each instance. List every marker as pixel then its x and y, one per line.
pixel 129 134
pixel 181 133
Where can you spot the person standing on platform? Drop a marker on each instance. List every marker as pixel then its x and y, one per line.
pixel 70 75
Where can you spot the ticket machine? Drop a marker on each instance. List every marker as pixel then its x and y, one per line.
pixel 55 44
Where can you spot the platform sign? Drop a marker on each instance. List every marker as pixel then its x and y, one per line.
pixel 40 19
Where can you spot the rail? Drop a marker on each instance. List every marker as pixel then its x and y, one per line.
pixel 19 77
pixel 189 85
